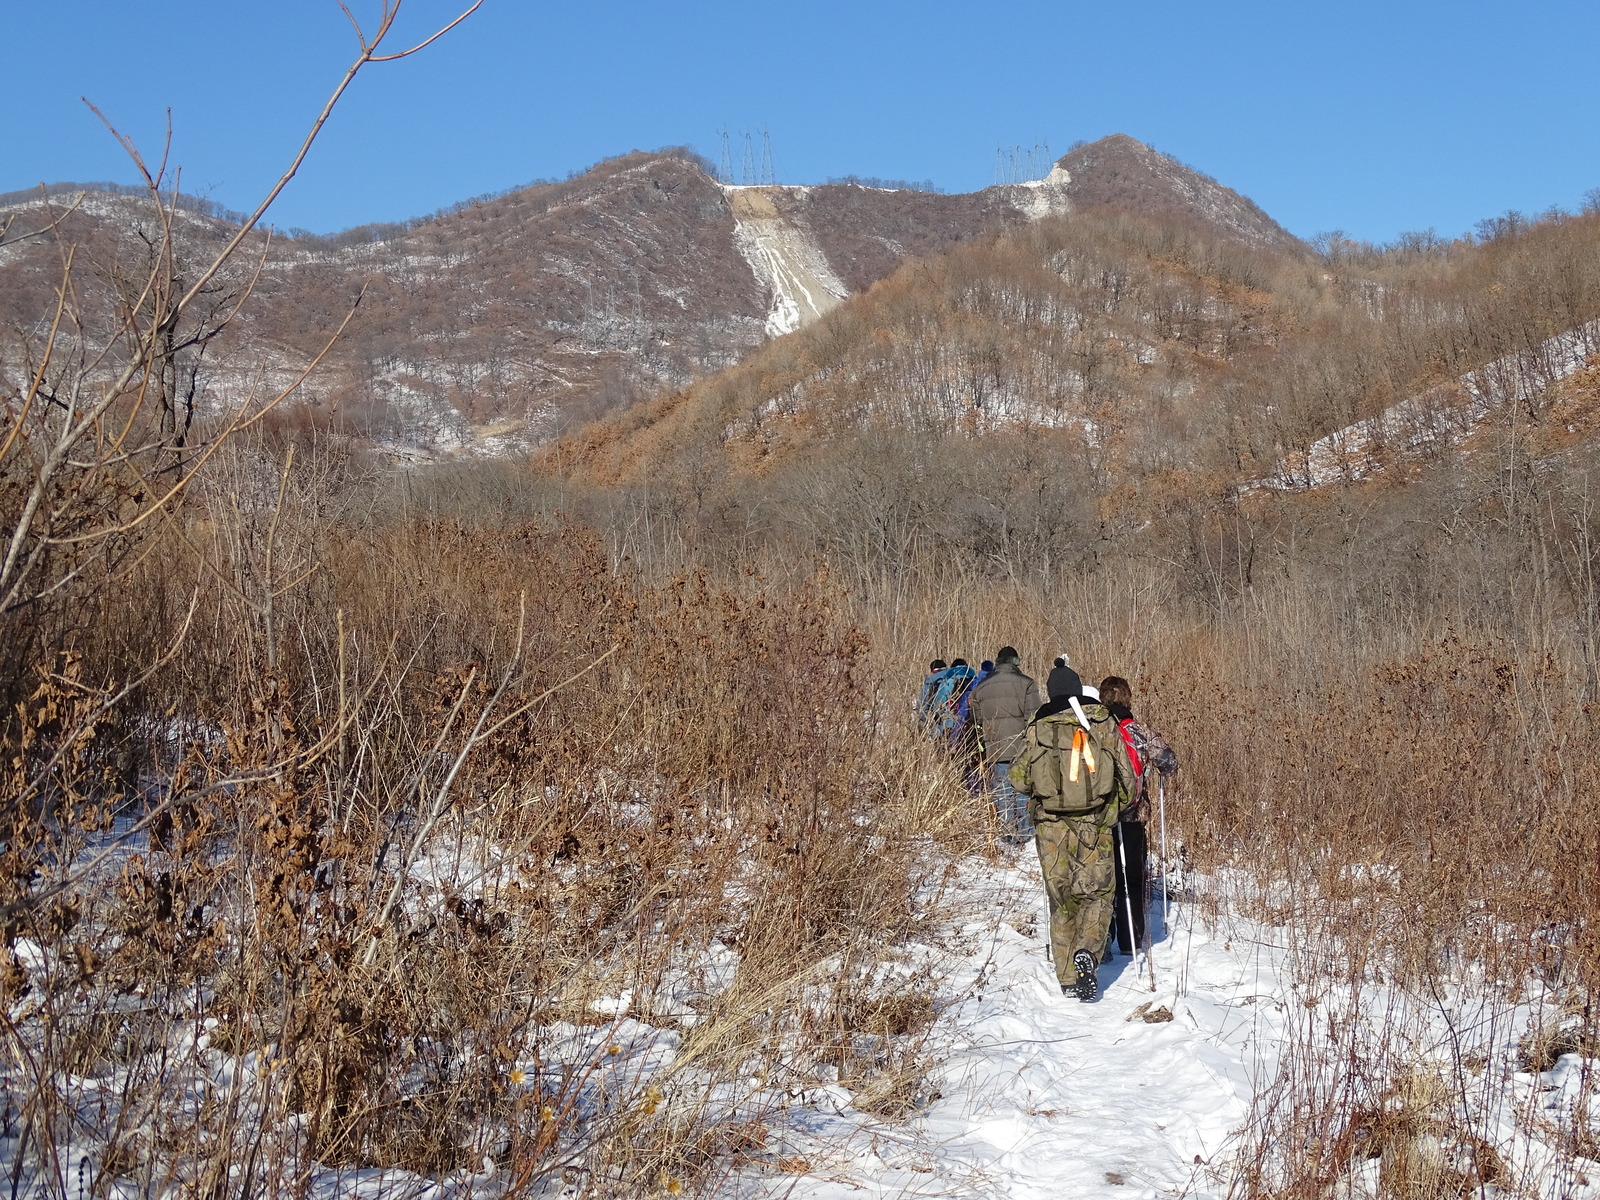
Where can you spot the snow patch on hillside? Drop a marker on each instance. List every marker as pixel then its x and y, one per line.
pixel 1439 418
pixel 785 259
pixel 1039 198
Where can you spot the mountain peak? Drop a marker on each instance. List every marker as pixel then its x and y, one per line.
pixel 1122 172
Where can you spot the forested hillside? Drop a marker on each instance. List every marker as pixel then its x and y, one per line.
pixel 1107 384
pixel 495 325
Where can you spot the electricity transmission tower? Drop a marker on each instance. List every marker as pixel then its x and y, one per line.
pixel 1020 164
pixel 755 167
pixel 1008 165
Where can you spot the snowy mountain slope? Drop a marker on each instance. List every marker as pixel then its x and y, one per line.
pixel 552 304
pixel 785 259
pixel 1440 418
pixel 779 232
pixel 1040 198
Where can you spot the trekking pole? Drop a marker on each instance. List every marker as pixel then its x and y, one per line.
pixel 1144 898
pixel 1166 866
pixel 1127 896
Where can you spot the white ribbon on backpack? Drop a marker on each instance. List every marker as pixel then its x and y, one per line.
pixel 1077 711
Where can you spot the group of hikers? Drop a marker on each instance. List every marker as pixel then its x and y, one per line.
pixel 1073 774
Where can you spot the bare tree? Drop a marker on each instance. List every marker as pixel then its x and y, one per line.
pixel 98 422
pixel 100 438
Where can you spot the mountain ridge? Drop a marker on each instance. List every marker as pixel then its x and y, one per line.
pixel 1121 172
pixel 496 326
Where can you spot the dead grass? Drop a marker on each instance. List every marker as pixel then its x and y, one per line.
pixel 631 773
pixel 648 769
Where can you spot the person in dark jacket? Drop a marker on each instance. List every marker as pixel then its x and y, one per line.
pixel 1150 755
pixel 1000 709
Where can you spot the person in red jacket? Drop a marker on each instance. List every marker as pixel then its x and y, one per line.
pixel 1151 755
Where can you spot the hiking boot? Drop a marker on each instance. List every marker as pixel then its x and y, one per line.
pixel 1088 985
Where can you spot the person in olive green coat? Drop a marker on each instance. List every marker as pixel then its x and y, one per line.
pixel 1076 770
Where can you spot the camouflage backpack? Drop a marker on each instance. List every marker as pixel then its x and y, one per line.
pixel 1073 771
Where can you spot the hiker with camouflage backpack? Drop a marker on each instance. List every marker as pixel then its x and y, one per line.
pixel 1075 769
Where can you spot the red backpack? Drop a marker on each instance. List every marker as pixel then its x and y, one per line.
pixel 1133 757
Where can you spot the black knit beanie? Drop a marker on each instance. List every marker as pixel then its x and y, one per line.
pixel 1062 683
pixel 1008 654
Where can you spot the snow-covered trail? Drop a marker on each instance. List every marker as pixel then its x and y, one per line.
pixel 786 260
pixel 1040 1095
pixel 1052 1094
pixel 1020 1092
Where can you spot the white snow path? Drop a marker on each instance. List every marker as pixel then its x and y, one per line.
pixel 786 260
pixel 1028 1093
pixel 1041 1095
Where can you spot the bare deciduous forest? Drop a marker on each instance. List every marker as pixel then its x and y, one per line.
pixel 655 679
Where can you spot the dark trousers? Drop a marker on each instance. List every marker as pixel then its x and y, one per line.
pixel 1130 886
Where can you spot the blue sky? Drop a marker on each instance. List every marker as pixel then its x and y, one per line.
pixel 1373 118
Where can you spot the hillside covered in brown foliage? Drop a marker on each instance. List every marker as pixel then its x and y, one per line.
pixel 510 318
pixel 1088 372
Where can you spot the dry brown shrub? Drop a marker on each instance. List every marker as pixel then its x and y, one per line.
pixel 360 696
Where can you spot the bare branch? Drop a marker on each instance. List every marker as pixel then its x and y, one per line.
pixel 367 55
pixel 236 424
pixel 432 38
pixel 361 37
